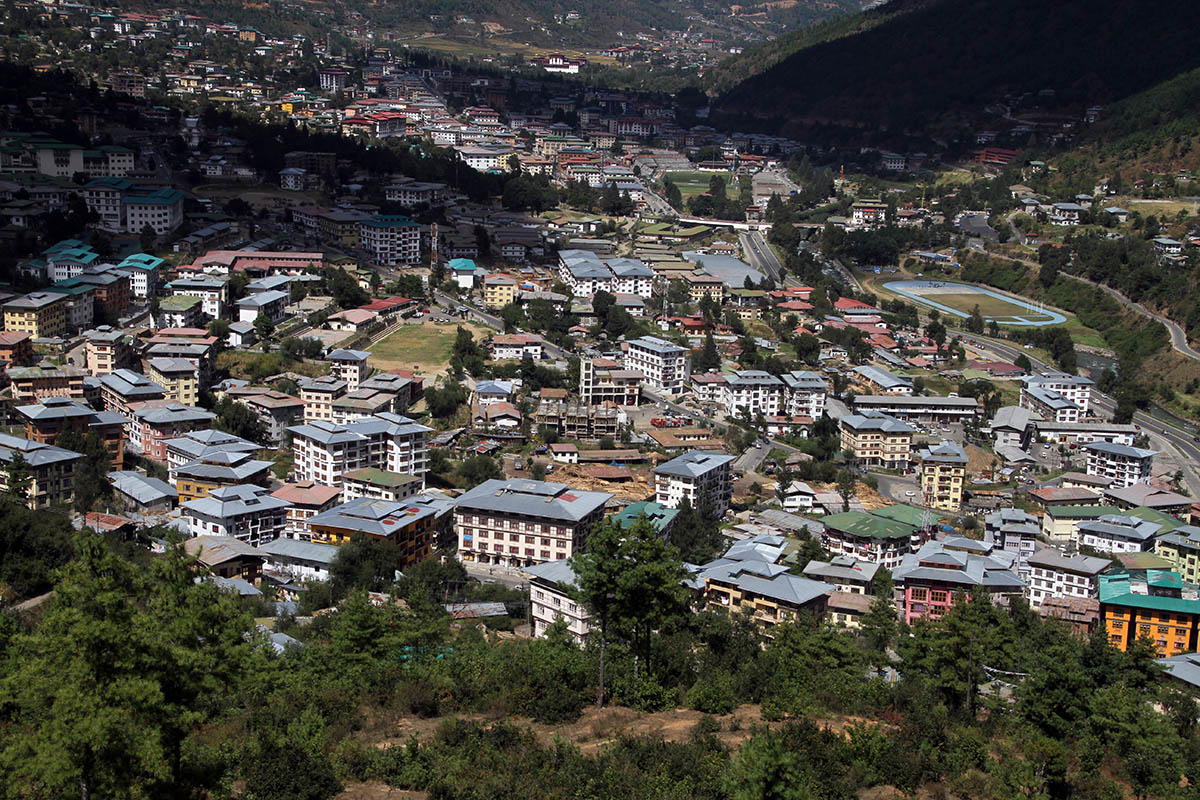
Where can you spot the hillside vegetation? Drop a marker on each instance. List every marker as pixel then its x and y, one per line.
pixel 749 63
pixel 932 70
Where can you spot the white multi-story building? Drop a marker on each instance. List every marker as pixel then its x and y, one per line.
pixel 391 240
pixel 247 513
pixel 700 477
pixel 806 393
pixel 1015 531
pixel 552 598
pixel 664 365
pixel 1049 404
pixel 521 522
pixel 586 273
pixel 161 209
pixel 211 291
pixel 324 451
pixel 749 392
pixel 415 193
pixel 1073 387
pixel 319 395
pixel 1055 574
pixel 1117 533
pixel 349 366
pixel 1126 465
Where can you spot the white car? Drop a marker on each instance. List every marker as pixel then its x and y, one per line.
pixel 910 493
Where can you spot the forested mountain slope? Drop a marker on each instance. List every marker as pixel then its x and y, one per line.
pixel 941 64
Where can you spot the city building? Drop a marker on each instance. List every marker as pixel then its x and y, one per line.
pixel 324 451
pixel 43 315
pixel 749 392
pixel 16 349
pixel 929 579
pixel 122 388
pixel 552 598
pixel 604 381
pixel 305 500
pixel 54 416
pixel 1014 531
pixel 51 470
pixel 873 537
pixel 846 573
pixel 1074 388
pixel 179 378
pixel 806 393
pixel 1182 548
pixel 379 484
pixel 391 240
pixel 246 513
pixel 1115 533
pixel 298 561
pixel 107 350
pixel 522 522
pixel 880 381
pixel 943 475
pixel 46 380
pixel 349 366
pixel 411 525
pixel 318 395
pixel 665 366
pixel 1125 465
pixel 1054 574
pixel 1150 604
pixel 699 477
pixel 153 423
pixel 876 439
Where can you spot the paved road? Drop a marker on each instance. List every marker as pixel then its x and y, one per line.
pixel 1179 339
pixel 846 274
pixel 760 255
pixel 897 487
pixel 750 460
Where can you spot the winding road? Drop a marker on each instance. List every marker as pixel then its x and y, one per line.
pixel 1179 338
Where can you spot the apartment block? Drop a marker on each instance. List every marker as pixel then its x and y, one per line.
pixel 699 477
pixel 665 366
pixel 523 522
pixel 246 513
pixel 1126 466
pixel 877 440
pixel 943 475
pixel 1054 574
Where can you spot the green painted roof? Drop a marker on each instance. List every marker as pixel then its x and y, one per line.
pixel 658 516
pixel 381 477
pixel 860 523
pixel 179 302
pixel 1117 590
pixel 909 515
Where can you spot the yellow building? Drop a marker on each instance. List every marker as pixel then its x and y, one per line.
pixel 202 477
pixel 877 440
pixel 1181 547
pixel 943 475
pixel 1150 604
pixel 701 285
pixel 499 291
pixel 178 376
pixel 40 314
pixel 409 524
pixel 768 592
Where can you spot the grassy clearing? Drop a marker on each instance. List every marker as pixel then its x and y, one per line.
pixel 425 348
pixel 988 306
pixel 691 183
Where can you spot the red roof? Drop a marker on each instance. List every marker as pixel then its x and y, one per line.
pixel 847 303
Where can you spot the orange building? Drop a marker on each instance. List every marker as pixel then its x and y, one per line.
pixel 1152 604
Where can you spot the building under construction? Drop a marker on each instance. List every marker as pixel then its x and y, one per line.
pixel 578 420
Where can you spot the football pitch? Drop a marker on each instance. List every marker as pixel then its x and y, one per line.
pixel 960 299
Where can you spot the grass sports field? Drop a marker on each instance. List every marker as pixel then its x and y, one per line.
pixel 425 347
pixel 960 299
